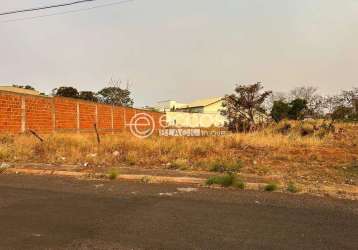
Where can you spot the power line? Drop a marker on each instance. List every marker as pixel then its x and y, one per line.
pixel 67 12
pixel 45 7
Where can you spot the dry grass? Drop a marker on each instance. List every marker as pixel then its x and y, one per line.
pixel 316 157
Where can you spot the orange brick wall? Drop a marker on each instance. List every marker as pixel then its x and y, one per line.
pixel 118 113
pixel 19 113
pixel 105 116
pixel 39 114
pixel 65 114
pixel 87 115
pixel 157 119
pixel 10 113
pixel 128 115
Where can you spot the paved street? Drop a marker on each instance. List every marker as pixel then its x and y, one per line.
pixel 60 213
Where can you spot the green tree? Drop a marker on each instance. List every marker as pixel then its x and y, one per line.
pixel 297 108
pixel 88 95
pixel 280 110
pixel 347 97
pixel 116 96
pixel 342 113
pixel 24 86
pixel 315 103
pixel 66 92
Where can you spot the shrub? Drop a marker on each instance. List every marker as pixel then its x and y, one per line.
pixel 146 179
pixel 325 129
pixel 321 133
pixel 224 180
pixel 306 129
pixel 5 154
pixel 113 174
pixel 200 149
pixel 226 166
pixel 6 139
pixel 284 128
pixel 352 168
pixel 292 188
pixel 328 127
pixel 270 187
pixel 342 113
pixel 233 143
pixel 181 164
pixel 131 158
pixel 239 184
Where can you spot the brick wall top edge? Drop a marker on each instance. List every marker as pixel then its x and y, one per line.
pixel 89 102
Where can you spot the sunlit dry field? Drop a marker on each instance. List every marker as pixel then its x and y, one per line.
pixel 303 153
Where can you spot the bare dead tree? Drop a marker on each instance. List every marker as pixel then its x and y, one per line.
pixel 245 104
pixel 315 102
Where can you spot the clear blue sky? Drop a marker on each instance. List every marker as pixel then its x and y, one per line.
pixel 184 49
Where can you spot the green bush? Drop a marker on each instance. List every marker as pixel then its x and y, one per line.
pixel 292 188
pixel 270 187
pixel 239 184
pixel 113 174
pixel 224 180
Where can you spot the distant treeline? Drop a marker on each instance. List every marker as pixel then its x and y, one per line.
pixel 113 94
pixel 249 102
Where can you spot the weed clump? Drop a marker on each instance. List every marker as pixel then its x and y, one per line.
pixel 239 184
pixel 6 154
pixel 292 188
pixel 270 187
pixel 6 139
pixel 284 128
pixel 307 129
pixel 181 164
pixel 113 174
pixel 351 169
pixel 146 179
pixel 226 180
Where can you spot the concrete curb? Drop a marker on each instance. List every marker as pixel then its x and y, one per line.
pixel 162 179
pixel 350 192
pixel 129 177
pixel 45 172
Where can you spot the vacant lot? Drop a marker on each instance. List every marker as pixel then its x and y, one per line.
pixel 296 152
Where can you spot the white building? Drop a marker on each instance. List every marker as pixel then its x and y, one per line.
pixel 19 90
pixel 169 105
pixel 199 113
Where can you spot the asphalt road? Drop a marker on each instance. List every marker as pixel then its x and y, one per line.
pixel 60 213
